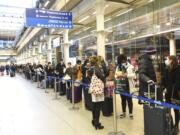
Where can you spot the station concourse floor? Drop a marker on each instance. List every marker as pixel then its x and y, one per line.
pixel 28 110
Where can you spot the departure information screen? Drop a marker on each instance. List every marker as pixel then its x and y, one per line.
pixel 48 18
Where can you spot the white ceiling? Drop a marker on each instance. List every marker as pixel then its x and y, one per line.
pixel 12 17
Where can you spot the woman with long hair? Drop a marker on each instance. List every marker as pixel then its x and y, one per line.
pixel 172 84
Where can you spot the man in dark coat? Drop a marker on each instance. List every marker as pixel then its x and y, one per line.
pixel 147 73
pixel 60 69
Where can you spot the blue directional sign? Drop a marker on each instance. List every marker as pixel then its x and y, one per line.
pixel 48 19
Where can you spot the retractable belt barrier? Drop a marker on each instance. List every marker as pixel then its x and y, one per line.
pixel 132 95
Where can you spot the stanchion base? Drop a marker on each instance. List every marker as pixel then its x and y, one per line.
pixel 56 98
pixel 46 91
pixel 118 133
pixel 74 108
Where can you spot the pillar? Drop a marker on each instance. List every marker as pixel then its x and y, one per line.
pixel 121 50
pixel 49 50
pixel 66 46
pixel 100 8
pixel 80 49
pixel 172 46
pixel 40 53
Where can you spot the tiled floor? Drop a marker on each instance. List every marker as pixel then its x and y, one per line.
pixel 27 110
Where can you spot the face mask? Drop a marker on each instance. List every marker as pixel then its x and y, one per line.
pixel 167 62
pixel 152 56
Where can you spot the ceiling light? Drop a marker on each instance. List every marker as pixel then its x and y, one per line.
pixel 133 32
pixel 85 18
pixel 106 6
pixel 107 19
pixel 52 30
pixel 94 13
pixel 86 28
pixel 125 12
pixel 150 1
pixel 168 23
pixel 47 2
pixel 158 26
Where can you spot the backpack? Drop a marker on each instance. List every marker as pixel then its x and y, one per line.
pixel 96 85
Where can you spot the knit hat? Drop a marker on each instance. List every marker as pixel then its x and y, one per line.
pixel 150 50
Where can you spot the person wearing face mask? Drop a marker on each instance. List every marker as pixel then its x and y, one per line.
pixel 172 84
pixel 122 84
pixel 147 73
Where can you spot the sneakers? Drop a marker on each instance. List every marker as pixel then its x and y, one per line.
pixel 131 116
pixel 123 115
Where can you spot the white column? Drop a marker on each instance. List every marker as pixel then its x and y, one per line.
pixel 34 51
pixel 49 50
pixel 40 53
pixel 100 8
pixel 172 46
pixel 66 46
pixel 121 50
pixel 80 49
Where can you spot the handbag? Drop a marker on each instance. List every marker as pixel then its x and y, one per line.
pixel 66 77
pixel 96 86
pixel 77 83
pixel 110 85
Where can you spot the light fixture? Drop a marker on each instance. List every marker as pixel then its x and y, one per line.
pixel 85 18
pixel 94 13
pixel 133 33
pixel 168 23
pixel 107 19
pixel 47 2
pixel 106 6
pixel 125 12
pixel 158 26
pixel 150 1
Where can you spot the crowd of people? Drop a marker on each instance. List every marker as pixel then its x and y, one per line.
pixel 102 78
pixel 9 69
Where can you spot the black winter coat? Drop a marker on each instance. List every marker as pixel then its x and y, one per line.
pixel 172 83
pixel 146 72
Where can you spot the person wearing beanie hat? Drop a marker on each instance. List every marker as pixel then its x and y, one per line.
pixel 147 73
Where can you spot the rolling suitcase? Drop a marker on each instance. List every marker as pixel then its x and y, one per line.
pixel 107 107
pixel 62 89
pixel 77 94
pixel 87 99
pixel 157 120
pixel 12 74
pixel 68 90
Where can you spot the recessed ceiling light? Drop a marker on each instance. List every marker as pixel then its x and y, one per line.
pixel 94 13
pixel 133 32
pixel 168 23
pixel 47 2
pixel 106 6
pixel 158 26
pixel 124 12
pixel 85 18
pixel 150 1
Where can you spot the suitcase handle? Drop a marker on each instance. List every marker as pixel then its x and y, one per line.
pixel 149 91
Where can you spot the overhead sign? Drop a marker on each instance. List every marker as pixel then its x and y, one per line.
pixel 48 19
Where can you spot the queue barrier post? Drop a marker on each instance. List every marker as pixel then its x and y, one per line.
pixel 38 82
pixel 45 78
pixel 30 73
pixel 55 88
pixel 115 132
pixel 73 108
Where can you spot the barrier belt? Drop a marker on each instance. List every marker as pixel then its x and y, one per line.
pixel 163 104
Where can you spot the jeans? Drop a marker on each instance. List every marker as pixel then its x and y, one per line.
pixel 125 100
pixel 96 112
